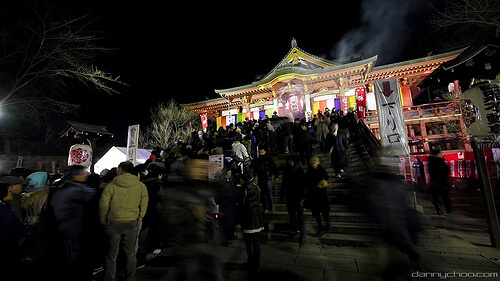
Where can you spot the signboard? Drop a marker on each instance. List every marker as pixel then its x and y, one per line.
pixel 345 104
pixel 390 115
pixel 80 154
pixel 132 142
pixel 361 102
pixel 19 163
pixel 480 107
pixel 215 167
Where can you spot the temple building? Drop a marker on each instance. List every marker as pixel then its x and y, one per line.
pixel 303 84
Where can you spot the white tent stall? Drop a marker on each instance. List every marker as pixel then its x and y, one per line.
pixel 115 155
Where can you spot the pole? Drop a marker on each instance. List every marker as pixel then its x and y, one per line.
pixel 491 212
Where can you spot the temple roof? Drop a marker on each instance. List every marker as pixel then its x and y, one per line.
pixel 476 61
pixel 299 61
pixel 77 128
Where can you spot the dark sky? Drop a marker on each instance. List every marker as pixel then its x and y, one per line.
pixel 186 50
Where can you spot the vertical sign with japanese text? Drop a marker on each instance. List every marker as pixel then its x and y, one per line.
pixel 345 104
pixel 204 121
pixel 132 142
pixel 215 167
pixel 390 116
pixel 361 102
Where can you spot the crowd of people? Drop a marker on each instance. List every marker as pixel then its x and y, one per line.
pixel 75 224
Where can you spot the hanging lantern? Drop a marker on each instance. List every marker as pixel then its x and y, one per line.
pixel 80 154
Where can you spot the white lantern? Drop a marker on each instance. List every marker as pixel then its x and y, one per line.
pixel 80 154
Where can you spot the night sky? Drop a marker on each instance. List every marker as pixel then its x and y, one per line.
pixel 186 50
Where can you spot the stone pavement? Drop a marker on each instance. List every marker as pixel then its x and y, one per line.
pixel 326 262
pixel 457 248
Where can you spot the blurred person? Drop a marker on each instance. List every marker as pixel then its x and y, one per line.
pixel 149 235
pixel 293 190
pixel 251 220
pixel 189 215
pixel 343 122
pixel 265 168
pixel 337 145
pixel 327 112
pixel 270 135
pixel 419 167
pixel 228 210
pixel 303 143
pixel 322 130
pixel 11 233
pixel 287 136
pixel 68 203
pixel 384 196
pixel 250 136
pixel 95 238
pixel 438 182
pixel 317 196
pixel 122 207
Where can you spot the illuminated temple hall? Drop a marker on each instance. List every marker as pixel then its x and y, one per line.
pixel 302 84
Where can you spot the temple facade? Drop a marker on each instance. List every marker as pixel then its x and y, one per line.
pixel 303 84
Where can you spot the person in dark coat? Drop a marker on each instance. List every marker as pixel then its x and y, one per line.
pixel 293 188
pixel 265 168
pixel 150 235
pixel 68 204
pixel 11 233
pixel 251 219
pixel 317 196
pixel 438 182
pixel 228 209
pixel 287 136
pixel 303 142
pixel 337 145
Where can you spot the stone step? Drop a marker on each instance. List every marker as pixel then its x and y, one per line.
pixel 334 239
pixel 278 207
pixel 354 228
pixel 335 216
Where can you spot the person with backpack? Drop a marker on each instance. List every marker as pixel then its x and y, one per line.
pixel 251 219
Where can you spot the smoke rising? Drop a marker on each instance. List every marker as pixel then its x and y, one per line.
pixel 385 29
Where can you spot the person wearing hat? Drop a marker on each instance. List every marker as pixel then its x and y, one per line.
pixel 16 187
pixel 317 196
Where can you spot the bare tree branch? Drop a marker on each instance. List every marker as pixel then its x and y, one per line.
pixel 169 123
pixel 462 16
pixel 40 52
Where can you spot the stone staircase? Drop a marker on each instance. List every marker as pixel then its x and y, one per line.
pixel 349 226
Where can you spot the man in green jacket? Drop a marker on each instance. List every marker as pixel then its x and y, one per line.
pixel 122 207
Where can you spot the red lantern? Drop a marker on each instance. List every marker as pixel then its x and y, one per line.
pixel 294 104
